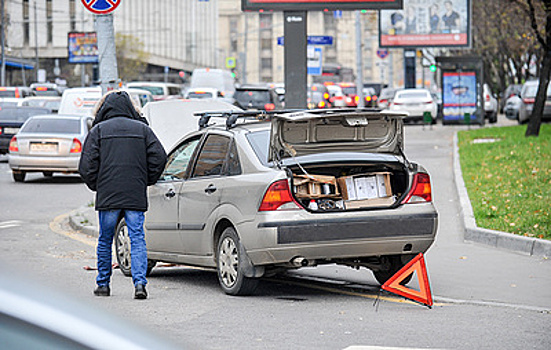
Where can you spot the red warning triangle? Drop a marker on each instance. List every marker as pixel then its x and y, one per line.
pixel 417 265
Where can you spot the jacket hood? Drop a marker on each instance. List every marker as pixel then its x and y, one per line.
pixel 117 104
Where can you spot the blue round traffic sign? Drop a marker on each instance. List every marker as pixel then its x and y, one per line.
pixel 101 7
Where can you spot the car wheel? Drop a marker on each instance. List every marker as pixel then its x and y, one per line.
pixel 228 263
pixel 493 118
pixel 18 176
pixel 123 249
pixel 392 263
pixel 48 173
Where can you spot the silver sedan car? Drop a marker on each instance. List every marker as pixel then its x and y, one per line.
pixel 48 144
pixel 252 198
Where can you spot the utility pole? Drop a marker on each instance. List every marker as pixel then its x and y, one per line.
pixel 359 62
pixel 3 79
pixel 37 65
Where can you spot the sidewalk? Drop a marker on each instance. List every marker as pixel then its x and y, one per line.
pixel 85 219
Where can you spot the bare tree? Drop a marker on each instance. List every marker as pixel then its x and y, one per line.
pixel 539 14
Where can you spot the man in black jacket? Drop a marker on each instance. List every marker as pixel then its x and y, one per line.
pixel 121 156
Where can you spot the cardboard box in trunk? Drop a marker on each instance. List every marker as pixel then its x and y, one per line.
pixel 315 186
pixel 365 187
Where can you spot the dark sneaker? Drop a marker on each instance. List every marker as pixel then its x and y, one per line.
pixel 140 292
pixel 102 291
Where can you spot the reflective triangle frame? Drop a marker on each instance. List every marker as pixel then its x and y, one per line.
pixel 417 265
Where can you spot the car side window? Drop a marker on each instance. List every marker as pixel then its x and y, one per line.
pixel 179 160
pixel 212 157
pixel 234 166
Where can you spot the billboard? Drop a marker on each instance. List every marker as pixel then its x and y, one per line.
pixel 459 95
pixel 427 23
pixel 83 47
pixel 317 5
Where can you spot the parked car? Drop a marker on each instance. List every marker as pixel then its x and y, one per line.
pixel 82 101
pixel 512 107
pixel 256 97
pixel 33 316
pixel 528 98
pixel 251 198
pixel 415 102
pixel 11 120
pixel 16 91
pixel 385 97
pixel 48 144
pixel 511 90
pixel 160 91
pixel 437 97
pixel 203 93
pixel 490 104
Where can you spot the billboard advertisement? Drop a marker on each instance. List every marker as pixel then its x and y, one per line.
pixel 83 47
pixel 459 95
pixel 318 5
pixel 426 23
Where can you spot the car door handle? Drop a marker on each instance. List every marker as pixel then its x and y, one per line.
pixel 210 189
pixel 170 193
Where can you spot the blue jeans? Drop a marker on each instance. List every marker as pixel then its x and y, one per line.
pixel 107 222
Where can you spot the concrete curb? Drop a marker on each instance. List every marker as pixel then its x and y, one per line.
pixel 84 219
pixel 497 239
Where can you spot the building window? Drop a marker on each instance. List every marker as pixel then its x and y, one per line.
pixel 72 15
pixel 266 63
pixel 49 22
pixel 26 22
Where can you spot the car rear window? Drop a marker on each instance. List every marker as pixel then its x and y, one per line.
pixel 20 114
pixel 412 94
pixel 200 94
pixel 52 126
pixel 349 90
pixel 7 93
pixel 155 90
pixel 260 141
pixel 532 90
pixel 252 98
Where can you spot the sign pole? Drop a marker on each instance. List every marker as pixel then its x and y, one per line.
pixel 294 30
pixel 108 73
pixel 359 62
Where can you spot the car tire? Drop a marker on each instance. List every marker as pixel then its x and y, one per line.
pixel 229 265
pixel 122 248
pixel 493 118
pixel 18 175
pixel 393 263
pixel 48 173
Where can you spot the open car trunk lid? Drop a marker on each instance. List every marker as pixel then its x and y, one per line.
pixel 304 133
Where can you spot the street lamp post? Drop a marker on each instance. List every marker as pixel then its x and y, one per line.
pixel 3 72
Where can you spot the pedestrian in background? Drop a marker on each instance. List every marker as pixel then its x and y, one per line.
pixel 121 156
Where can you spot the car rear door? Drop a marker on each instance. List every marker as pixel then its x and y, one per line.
pixel 201 194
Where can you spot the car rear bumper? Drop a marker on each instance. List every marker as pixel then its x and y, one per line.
pixel 408 229
pixel 44 163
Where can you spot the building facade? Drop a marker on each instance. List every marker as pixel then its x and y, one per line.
pixel 180 35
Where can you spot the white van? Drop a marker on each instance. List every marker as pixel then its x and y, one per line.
pixel 160 91
pixel 82 101
pixel 213 78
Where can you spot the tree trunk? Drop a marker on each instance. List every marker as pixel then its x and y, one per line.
pixel 534 122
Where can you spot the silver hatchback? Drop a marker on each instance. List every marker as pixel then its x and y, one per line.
pixel 251 198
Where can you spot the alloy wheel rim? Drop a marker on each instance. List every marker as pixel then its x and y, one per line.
pixel 228 262
pixel 124 247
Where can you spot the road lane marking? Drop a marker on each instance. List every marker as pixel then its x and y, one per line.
pixel 10 223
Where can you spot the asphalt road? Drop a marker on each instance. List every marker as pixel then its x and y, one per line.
pixel 485 298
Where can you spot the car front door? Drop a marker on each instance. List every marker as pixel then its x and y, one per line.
pixel 201 195
pixel 162 217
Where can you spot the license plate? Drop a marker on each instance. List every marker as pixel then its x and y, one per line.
pixel 43 147
pixel 12 131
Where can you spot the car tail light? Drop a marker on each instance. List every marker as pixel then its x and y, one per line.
pixel 487 98
pixel 321 104
pixel 429 102
pixel 528 100
pixel 13 145
pixel 76 147
pixel 269 106
pixel 356 99
pixel 277 197
pixel 368 98
pixel 383 101
pixel 420 191
pixel 326 96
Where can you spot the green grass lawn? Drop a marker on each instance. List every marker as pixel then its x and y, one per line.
pixel 508 177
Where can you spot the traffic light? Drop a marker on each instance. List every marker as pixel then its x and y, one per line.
pixel 432 68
